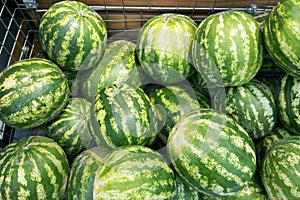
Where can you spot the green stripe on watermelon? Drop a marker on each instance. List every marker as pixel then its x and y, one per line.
pixel 34 167
pixel 117 66
pixel 163 47
pixel 83 172
pixel 252 105
pixel 212 152
pixel 32 92
pixel 281 36
pixel 288 97
pixel 134 172
pixel 230 38
pixel 280 169
pixel 73 35
pixel 71 129
pixel 123 115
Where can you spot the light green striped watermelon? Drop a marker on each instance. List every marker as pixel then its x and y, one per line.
pixel 212 152
pixel 73 35
pixel 118 66
pixel 252 105
pixel 288 97
pixel 123 115
pixel 227 48
pixel 83 172
pixel 266 143
pixel 32 92
pixel 173 102
pixel 281 36
pixel 134 172
pixel 163 47
pixel 280 169
pixel 71 129
pixel 34 167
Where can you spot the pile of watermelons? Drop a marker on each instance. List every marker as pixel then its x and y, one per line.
pixel 207 111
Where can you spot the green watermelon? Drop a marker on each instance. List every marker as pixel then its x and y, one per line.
pixel 252 105
pixel 118 66
pixel 73 35
pixel 185 191
pixel 268 68
pixel 280 169
pixel 33 167
pixel 254 190
pixel 123 115
pixel 281 35
pixel 173 102
pixel 266 143
pixel 71 129
pixel 212 152
pixel 134 172
pixel 227 48
pixel 163 47
pixel 83 172
pixel 32 92
pixel 288 97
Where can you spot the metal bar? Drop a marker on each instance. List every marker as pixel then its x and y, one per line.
pixel 162 8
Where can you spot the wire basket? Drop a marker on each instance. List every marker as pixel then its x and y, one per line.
pixel 19 22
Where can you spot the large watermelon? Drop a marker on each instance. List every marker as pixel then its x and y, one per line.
pixel 280 169
pixel 34 167
pixel 134 172
pixel 83 172
pixel 288 97
pixel 252 105
pixel 73 35
pixel 163 47
pixel 227 48
pixel 123 115
pixel 32 92
pixel 71 129
pixel 118 66
pixel 281 35
pixel 212 152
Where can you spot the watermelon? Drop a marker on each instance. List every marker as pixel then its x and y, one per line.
pixel 266 143
pixel 134 172
pixel 227 48
pixel 33 167
pixel 71 129
pixel 173 102
pixel 280 169
pixel 212 152
pixel 185 191
pixel 252 105
pixel 163 47
pixel 82 174
pixel 123 115
pixel 118 66
pixel 254 190
pixel 32 92
pixel 269 67
pixel 199 84
pixel 281 35
pixel 288 97
pixel 73 35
